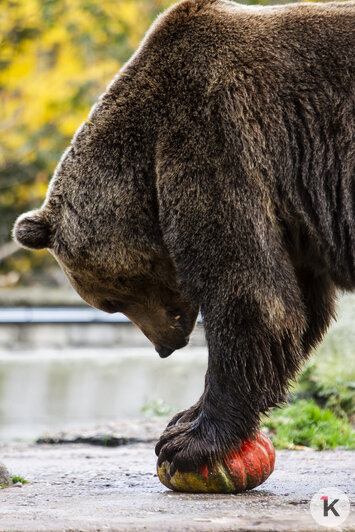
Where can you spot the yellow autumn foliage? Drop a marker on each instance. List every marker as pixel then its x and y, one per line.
pixel 56 57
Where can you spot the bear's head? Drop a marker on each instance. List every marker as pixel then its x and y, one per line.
pixel 142 284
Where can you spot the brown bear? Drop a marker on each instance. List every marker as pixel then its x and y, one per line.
pixel 217 173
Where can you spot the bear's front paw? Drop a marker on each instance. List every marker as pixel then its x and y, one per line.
pixel 188 446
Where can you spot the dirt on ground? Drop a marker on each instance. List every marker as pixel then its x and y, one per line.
pixel 80 486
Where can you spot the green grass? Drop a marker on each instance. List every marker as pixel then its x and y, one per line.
pixel 338 395
pixel 307 424
pixel 17 478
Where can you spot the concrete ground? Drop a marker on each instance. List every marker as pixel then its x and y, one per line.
pixel 92 488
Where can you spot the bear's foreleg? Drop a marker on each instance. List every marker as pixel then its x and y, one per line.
pixel 251 359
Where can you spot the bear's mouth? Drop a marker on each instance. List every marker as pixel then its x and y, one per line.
pixel 165 352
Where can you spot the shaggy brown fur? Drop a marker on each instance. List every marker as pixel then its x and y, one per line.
pixel 217 173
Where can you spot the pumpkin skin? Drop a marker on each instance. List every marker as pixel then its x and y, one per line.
pixel 241 470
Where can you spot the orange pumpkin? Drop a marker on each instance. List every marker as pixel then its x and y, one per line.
pixel 241 470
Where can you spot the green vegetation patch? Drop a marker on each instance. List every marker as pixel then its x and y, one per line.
pixel 16 478
pixel 305 423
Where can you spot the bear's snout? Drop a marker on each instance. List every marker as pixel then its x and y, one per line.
pixel 164 352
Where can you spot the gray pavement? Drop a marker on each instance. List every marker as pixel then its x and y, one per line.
pixel 91 488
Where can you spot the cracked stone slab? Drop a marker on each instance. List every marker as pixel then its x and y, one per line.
pixel 112 434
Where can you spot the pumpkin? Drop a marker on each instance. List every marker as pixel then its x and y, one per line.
pixel 241 470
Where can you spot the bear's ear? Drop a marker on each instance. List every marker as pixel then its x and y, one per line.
pixel 32 230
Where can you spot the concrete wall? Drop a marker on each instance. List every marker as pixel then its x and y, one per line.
pixel 54 376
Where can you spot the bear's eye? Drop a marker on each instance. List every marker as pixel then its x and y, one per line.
pixel 112 305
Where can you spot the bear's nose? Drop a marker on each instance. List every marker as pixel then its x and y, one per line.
pixel 163 352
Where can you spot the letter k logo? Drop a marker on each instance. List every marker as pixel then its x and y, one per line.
pixel 330 507
pixel 327 506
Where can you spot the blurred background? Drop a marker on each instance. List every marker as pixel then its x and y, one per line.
pixel 63 364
